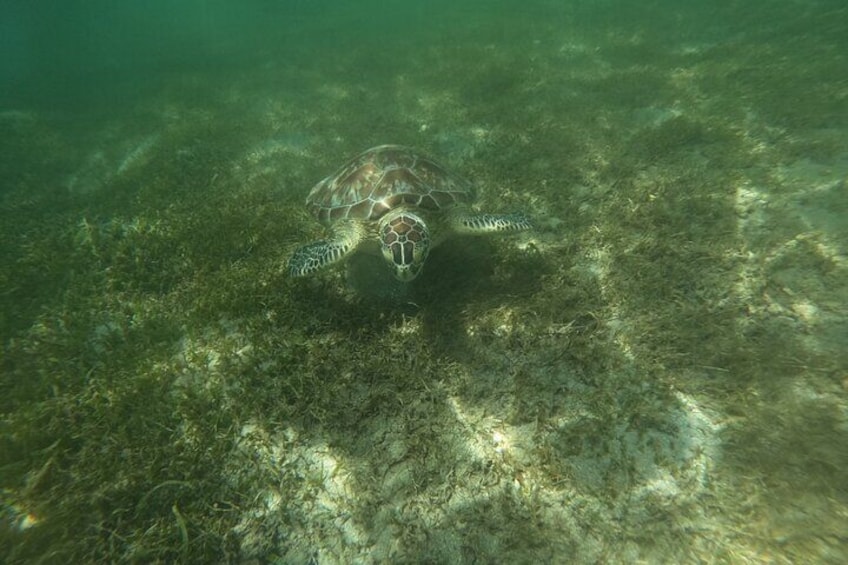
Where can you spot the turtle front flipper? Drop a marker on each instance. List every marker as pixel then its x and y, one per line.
pixel 319 254
pixel 480 224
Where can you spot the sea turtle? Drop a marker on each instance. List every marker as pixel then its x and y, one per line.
pixel 400 198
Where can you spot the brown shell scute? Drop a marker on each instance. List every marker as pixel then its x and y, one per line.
pixel 384 178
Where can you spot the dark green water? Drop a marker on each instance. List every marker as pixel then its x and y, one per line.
pixel 657 372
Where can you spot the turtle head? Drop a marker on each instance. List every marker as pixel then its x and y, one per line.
pixel 405 242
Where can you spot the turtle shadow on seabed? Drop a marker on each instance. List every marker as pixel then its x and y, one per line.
pixel 469 273
pixel 465 273
pixel 368 277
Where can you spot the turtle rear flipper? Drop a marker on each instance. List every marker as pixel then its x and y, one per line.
pixel 319 254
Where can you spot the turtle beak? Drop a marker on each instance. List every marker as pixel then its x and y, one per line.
pixel 406 273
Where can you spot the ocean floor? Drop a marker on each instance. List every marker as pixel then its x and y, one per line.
pixel 658 372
